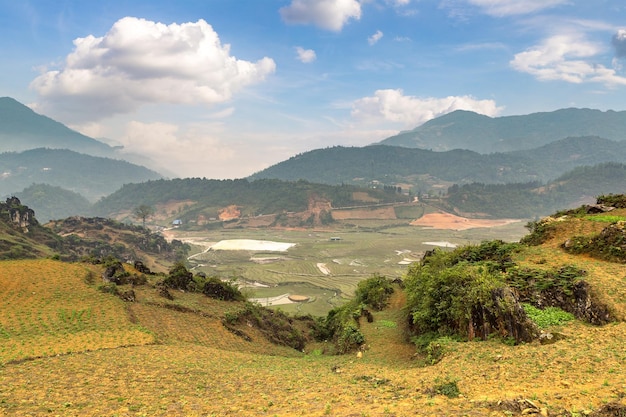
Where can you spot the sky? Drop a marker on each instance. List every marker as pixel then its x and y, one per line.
pixel 225 88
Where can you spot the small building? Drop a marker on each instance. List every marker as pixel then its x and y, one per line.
pixel 177 222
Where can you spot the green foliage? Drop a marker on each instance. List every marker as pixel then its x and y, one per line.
pixel 432 346
pixel 605 218
pixel 549 316
pixel 612 200
pixel 529 281
pixel 341 325
pixel 540 232
pixel 447 387
pixel 142 212
pixel 275 325
pixel 442 300
pixel 178 277
pixel 214 287
pixel 374 292
pixel 609 244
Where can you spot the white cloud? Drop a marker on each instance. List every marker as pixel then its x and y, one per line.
pixel 139 62
pixel 619 43
pixel 409 111
pixel 189 152
pixel 567 57
pixel 375 37
pixel 326 14
pixel 501 8
pixel 305 55
pixel 398 3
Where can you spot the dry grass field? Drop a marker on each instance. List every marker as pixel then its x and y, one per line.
pixel 67 349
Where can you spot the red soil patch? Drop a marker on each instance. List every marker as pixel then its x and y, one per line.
pixel 452 222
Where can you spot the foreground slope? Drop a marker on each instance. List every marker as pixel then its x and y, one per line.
pixel 196 367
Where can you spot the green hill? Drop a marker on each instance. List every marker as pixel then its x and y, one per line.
pixel 90 176
pixel 204 198
pixel 526 200
pixel 421 169
pixel 468 130
pixel 50 202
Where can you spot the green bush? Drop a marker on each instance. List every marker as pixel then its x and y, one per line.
pixel 214 287
pixel 442 300
pixel 374 292
pixel 179 277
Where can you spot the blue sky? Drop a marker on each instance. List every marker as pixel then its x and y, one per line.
pixel 225 88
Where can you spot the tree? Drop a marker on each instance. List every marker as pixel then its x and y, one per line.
pixel 143 212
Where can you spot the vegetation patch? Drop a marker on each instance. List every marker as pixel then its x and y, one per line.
pixel 276 326
pixel 341 325
pixel 548 317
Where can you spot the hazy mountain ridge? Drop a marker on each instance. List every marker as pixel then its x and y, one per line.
pixel 92 177
pixel 22 129
pixel 393 164
pixel 468 130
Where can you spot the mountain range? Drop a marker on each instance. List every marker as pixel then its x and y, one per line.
pixel 468 130
pixel 541 150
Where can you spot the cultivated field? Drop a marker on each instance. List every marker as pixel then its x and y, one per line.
pixel 347 254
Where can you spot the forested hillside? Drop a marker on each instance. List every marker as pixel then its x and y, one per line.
pixel 422 168
pixel 526 200
pixel 254 197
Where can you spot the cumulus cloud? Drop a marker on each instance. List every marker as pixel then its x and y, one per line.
pixel 140 61
pixel 189 151
pixel 326 14
pixel 501 8
pixel 567 57
pixel 375 37
pixel 393 106
pixel 619 43
pixel 305 55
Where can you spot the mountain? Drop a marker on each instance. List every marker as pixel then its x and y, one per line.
pixel 22 129
pixel 50 202
pixel 421 168
pixel 205 202
pixel 468 130
pixel 579 186
pixel 92 177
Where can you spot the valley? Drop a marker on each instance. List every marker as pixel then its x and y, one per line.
pixel 326 264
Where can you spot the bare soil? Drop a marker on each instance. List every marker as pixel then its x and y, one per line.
pixel 449 221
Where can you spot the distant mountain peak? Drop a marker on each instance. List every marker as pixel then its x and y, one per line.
pixel 462 129
pixel 21 129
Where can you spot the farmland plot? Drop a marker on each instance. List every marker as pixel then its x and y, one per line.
pixel 49 309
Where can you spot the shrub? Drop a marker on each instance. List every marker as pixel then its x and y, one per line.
pixel 221 290
pixel 179 277
pixel 374 292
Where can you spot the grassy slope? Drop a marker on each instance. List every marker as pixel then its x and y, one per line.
pixel 187 364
